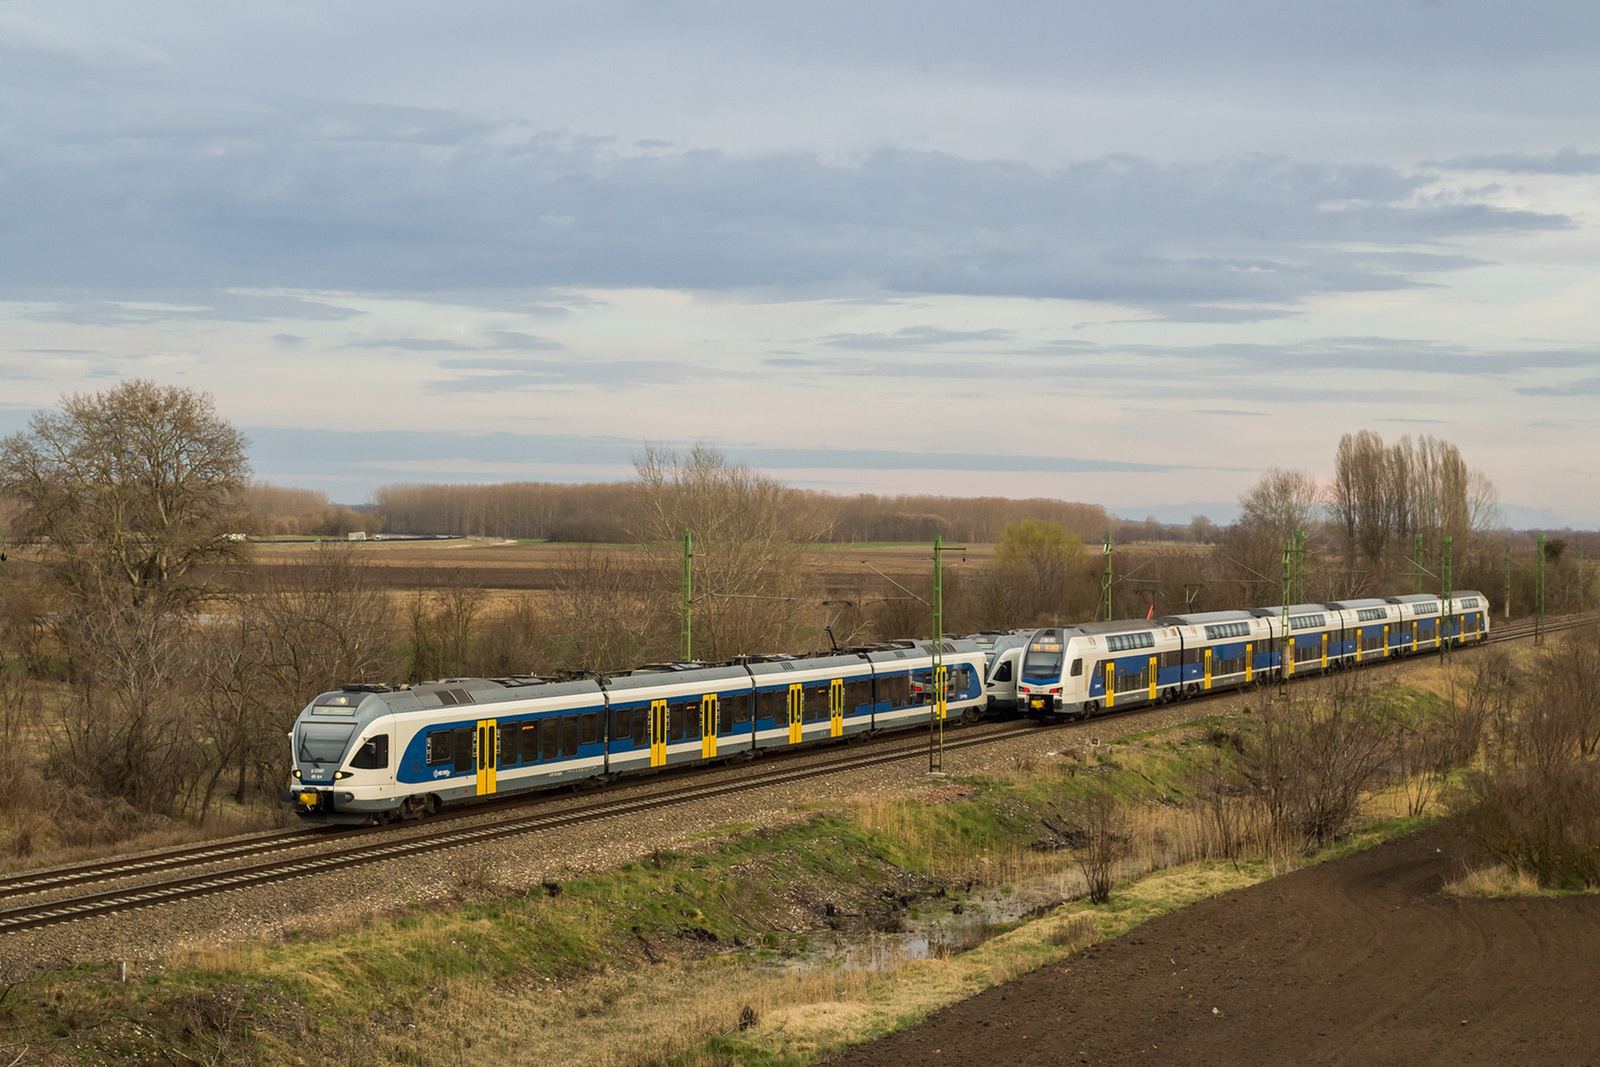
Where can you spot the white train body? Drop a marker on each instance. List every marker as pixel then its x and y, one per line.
pixel 1080 670
pixel 369 752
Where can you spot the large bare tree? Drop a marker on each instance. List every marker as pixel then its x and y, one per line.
pixel 130 488
pixel 749 534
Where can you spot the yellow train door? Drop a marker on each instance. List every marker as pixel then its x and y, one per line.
pixel 708 726
pixel 1324 651
pixel 1111 683
pixel 1249 662
pixel 1385 640
pixel 1208 668
pixel 796 697
pixel 658 733
pixel 488 755
pixel 836 707
pixel 941 691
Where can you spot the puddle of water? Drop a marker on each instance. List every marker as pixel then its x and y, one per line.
pixel 933 929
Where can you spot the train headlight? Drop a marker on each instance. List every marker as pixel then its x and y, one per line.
pixel 343 774
pixel 297 772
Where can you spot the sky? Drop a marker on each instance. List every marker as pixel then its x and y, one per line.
pixel 1131 254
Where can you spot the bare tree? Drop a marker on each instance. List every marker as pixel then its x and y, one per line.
pixel 749 534
pixel 132 488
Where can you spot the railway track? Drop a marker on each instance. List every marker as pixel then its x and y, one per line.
pixel 433 837
pixel 48 913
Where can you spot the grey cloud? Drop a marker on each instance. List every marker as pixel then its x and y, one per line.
pixel 911 338
pixel 1566 161
pixel 1583 387
pixel 512 373
pixel 415 344
pixel 399 200
pixel 288 338
pixel 139 306
pixel 522 342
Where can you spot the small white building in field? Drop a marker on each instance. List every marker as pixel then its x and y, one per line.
pixel 358 535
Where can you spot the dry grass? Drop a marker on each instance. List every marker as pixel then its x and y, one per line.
pixel 1495 881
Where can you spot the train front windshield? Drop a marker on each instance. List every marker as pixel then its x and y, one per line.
pixel 1044 659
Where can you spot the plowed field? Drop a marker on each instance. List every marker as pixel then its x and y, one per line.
pixel 1358 961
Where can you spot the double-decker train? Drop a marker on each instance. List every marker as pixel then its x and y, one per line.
pixel 369 753
pixel 1075 671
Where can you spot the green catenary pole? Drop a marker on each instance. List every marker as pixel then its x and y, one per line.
pixel 1538 592
pixel 936 727
pixel 1105 584
pixel 688 598
pixel 1508 579
pixel 1286 645
pixel 1300 566
pixel 1448 593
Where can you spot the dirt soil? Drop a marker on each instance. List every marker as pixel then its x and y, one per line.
pixel 1358 961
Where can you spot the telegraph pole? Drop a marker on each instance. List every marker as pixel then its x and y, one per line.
pixel 1538 592
pixel 936 726
pixel 688 599
pixel 1105 583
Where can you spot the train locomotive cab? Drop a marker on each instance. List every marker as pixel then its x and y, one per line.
pixel 343 758
pixel 1044 676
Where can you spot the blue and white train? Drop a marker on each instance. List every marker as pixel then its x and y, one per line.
pixel 375 754
pixel 1075 671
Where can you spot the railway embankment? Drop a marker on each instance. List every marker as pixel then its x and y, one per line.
pixel 753 929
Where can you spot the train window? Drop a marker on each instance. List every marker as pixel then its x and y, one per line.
pixel 589 728
pixel 550 739
pixel 725 715
pixel 441 746
pixel 466 738
pixel 774 705
pixel 814 706
pixel 323 742
pixel 895 690
pixel 641 727
pixel 675 722
pixel 373 754
pixel 621 725
pixel 957 681
pixel 1077 667
pixel 530 743
pixel 569 736
pixel 1002 673
pixel 508 743
pixel 858 695
pixel 740 703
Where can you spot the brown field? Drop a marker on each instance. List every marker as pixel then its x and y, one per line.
pixel 508 565
pixel 1362 960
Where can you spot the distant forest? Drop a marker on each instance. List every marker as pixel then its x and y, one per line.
pixel 609 513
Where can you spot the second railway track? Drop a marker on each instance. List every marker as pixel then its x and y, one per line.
pixel 433 837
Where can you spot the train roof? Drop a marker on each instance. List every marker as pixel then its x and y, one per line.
pixel 811 663
pixel 1200 618
pixel 1364 602
pixel 451 691
pixel 655 679
pixel 1114 626
pixel 1413 598
pixel 1292 609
